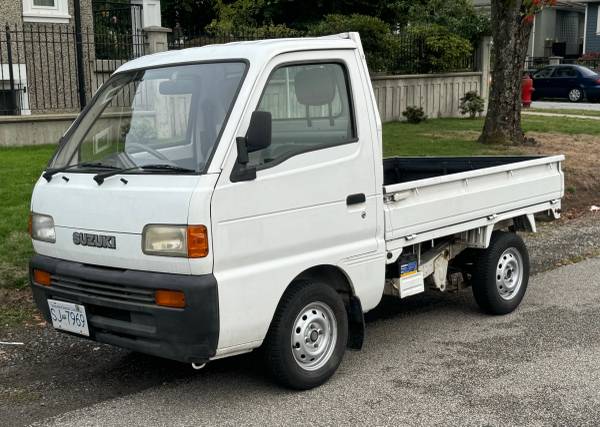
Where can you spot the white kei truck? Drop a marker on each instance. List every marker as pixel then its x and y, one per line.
pixel 214 200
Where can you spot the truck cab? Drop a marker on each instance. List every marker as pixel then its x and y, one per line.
pixel 214 200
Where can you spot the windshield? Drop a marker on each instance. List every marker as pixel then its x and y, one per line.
pixel 172 115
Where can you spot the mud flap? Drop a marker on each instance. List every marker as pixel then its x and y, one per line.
pixel 356 324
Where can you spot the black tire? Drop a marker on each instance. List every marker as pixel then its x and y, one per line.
pixel 572 94
pixel 281 358
pixel 492 275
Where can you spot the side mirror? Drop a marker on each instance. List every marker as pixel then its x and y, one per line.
pixel 258 136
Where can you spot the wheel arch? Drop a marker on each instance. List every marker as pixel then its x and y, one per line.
pixel 337 278
pixel 333 275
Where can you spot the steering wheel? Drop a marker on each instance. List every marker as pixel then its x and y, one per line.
pixel 152 151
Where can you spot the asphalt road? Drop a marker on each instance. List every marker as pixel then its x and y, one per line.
pixel 429 360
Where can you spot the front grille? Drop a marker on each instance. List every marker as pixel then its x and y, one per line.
pixel 103 290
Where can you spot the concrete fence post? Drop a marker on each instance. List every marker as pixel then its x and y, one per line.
pixel 484 66
pixel 555 60
pixel 156 39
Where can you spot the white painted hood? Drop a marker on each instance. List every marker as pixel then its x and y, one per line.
pixel 122 210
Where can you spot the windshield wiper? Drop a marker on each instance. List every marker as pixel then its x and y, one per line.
pixel 99 178
pixel 51 172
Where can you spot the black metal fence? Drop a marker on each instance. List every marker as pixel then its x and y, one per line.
pixel 410 51
pixel 182 40
pixel 54 68
pixel 593 64
pixel 45 68
pixel 413 56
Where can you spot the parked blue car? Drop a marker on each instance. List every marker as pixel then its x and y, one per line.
pixel 573 82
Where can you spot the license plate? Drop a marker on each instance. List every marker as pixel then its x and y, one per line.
pixel 70 317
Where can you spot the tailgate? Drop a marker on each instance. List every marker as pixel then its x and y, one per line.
pixel 417 207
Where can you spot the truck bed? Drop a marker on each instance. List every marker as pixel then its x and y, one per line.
pixel 431 197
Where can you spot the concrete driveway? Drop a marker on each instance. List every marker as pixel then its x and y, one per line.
pixel 430 360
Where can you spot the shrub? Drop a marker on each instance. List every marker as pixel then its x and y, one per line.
pixel 376 37
pixel 471 104
pixel 414 114
pixel 264 32
pixel 590 56
pixel 440 50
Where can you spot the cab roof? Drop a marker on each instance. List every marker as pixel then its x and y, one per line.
pixel 252 51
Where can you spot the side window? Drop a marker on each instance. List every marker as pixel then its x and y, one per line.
pixel 311 109
pixel 565 72
pixel 544 73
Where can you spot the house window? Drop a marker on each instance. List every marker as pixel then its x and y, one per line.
pixel 46 11
pixel 44 3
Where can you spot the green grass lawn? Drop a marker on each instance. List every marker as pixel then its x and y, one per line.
pixel 458 137
pixel 21 167
pixel 19 170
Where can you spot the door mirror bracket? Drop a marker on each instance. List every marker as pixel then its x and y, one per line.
pixel 241 171
pixel 258 137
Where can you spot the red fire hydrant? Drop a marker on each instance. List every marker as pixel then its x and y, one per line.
pixel 526 90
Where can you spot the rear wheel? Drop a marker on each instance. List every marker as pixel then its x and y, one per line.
pixel 501 274
pixel 575 94
pixel 307 338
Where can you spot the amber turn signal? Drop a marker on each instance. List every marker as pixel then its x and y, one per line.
pixel 197 240
pixel 166 298
pixel 41 277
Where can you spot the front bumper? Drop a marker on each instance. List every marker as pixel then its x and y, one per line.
pixel 121 310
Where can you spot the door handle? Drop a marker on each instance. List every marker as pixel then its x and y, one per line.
pixel 356 199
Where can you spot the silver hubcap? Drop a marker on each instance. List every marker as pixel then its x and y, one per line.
pixel 314 336
pixel 509 273
pixel 574 94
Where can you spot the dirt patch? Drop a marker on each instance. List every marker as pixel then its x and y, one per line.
pixel 17 308
pixel 458 134
pixel 582 157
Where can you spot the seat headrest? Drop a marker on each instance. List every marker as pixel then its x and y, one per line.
pixel 315 87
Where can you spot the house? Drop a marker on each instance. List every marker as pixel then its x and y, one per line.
pixel 591 39
pixel 55 53
pixel 557 30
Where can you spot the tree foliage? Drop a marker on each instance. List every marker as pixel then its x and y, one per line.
pixel 375 36
pixel 191 15
pixel 457 15
pixel 460 15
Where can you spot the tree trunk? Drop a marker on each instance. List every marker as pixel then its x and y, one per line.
pixel 510 34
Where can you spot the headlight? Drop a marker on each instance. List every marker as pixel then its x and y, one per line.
pixel 175 240
pixel 42 228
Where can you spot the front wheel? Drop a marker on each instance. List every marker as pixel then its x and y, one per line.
pixel 501 274
pixel 308 336
pixel 575 94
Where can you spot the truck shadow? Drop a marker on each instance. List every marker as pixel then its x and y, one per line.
pixel 94 372
pixel 395 308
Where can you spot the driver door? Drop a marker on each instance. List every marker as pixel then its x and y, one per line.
pixel 313 201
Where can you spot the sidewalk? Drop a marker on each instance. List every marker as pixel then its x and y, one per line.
pixel 572 116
